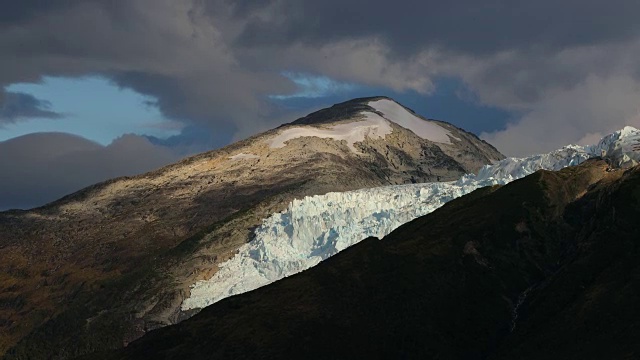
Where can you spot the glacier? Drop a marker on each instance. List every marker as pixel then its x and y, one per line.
pixel 314 228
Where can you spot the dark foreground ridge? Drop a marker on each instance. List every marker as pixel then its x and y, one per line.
pixel 543 268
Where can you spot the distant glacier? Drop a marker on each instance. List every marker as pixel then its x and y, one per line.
pixel 317 227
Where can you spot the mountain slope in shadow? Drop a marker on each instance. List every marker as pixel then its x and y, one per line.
pixel 545 267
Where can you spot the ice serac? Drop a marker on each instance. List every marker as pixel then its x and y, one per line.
pixel 317 227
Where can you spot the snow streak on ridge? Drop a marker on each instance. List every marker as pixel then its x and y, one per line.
pixel 425 129
pixel 317 227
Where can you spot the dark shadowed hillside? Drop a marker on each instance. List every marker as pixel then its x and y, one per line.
pixel 545 267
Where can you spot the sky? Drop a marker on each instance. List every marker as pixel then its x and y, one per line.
pixel 94 89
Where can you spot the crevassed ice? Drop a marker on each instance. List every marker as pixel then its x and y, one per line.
pixel 317 227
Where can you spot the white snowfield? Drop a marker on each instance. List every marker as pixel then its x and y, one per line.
pixel 374 127
pixel 317 227
pixel 395 112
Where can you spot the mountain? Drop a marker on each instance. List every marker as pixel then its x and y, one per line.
pixel 101 267
pixel 545 267
pixel 42 167
pixel 316 227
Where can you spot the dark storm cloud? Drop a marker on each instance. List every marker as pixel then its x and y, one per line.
pixel 162 48
pixel 16 106
pixel 194 139
pixel 21 10
pixel 42 167
pixel 464 25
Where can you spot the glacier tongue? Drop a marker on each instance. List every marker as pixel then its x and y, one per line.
pixel 317 227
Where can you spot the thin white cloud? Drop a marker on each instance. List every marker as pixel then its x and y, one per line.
pixel 313 86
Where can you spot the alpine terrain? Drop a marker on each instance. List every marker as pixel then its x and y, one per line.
pixel 544 267
pixel 101 267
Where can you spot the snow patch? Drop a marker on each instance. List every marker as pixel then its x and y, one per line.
pixel 317 227
pixel 373 126
pixel 396 113
pixel 244 156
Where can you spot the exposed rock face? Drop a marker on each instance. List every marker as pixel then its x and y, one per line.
pixel 100 267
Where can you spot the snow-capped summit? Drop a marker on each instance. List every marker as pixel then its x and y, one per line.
pixel 369 127
pixel 373 122
pixel 317 227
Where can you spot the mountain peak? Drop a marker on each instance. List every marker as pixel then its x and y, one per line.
pixel 187 218
pixel 378 111
pixel 338 112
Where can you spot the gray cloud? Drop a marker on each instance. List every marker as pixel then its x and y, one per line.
pixel 581 115
pixel 464 25
pixel 568 70
pixel 16 106
pixel 213 63
pixel 43 167
pixel 19 11
pixel 162 48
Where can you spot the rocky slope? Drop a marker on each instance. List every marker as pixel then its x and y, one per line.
pixel 100 267
pixel 542 268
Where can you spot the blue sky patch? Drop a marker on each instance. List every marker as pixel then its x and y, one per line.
pixel 92 107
